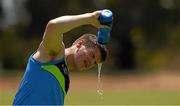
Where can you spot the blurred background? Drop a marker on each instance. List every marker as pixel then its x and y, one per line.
pixel 143 66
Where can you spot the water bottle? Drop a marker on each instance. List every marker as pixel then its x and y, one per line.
pixel 105 18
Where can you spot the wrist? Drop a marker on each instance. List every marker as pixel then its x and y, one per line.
pixel 90 18
pixel 94 18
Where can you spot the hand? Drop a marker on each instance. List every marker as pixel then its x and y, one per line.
pixel 95 22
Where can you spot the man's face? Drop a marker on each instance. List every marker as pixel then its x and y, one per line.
pixel 86 58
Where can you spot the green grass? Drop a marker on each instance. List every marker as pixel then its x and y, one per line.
pixel 147 97
pixel 124 98
pixel 6 97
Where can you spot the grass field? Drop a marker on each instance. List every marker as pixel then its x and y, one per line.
pixel 117 91
pixel 112 98
pixel 124 98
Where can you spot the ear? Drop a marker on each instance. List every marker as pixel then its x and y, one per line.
pixel 80 44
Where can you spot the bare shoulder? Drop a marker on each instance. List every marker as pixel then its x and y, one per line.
pixel 51 46
pixel 44 55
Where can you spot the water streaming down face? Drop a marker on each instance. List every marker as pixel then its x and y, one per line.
pixel 99 89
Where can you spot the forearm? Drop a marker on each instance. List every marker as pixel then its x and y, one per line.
pixel 66 23
pixel 55 28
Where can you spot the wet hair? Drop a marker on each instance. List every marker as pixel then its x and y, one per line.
pixel 104 53
pixel 90 42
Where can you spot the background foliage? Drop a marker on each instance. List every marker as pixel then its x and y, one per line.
pixel 145 33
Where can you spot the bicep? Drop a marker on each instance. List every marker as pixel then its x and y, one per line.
pixel 52 39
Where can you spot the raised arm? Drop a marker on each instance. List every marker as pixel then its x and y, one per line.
pixel 53 35
pixel 66 23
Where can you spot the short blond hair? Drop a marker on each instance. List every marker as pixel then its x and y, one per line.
pixel 90 42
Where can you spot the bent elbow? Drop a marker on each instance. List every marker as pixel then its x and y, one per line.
pixel 52 23
pixel 53 26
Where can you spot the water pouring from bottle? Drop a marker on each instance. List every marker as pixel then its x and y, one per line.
pixel 105 18
pixel 99 89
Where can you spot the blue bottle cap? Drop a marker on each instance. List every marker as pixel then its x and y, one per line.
pixel 106 16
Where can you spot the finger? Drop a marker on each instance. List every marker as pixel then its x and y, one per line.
pixel 104 26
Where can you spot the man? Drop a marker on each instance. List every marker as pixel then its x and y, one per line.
pixel 46 79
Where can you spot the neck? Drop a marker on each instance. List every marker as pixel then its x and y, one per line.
pixel 70 58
